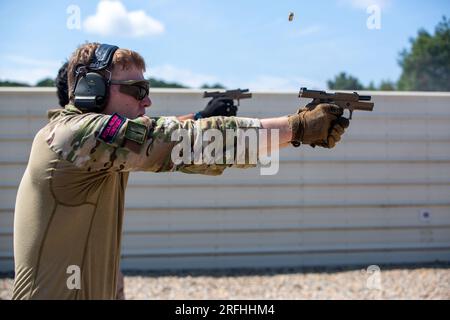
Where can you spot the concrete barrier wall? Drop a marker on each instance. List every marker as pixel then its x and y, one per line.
pixel 381 196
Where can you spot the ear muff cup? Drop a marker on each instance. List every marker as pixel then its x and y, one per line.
pixel 91 88
pixel 91 92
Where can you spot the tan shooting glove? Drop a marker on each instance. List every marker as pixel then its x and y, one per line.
pixel 321 125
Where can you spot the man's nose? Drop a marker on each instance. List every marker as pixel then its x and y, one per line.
pixel 146 102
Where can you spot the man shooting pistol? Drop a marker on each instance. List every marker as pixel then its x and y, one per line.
pixel 81 159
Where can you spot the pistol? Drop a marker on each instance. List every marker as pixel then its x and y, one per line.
pixel 232 94
pixel 350 101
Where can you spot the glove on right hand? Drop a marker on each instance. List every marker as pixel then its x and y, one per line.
pixel 321 125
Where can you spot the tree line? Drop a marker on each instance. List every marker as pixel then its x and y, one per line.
pixel 425 67
pixel 154 83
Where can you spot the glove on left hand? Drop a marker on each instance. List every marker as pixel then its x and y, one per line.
pixel 219 107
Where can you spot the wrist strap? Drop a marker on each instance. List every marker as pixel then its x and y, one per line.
pixel 296 129
pixel 198 115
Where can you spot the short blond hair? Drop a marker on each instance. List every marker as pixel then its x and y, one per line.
pixel 123 58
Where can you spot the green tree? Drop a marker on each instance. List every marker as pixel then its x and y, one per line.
pixel 157 83
pixel 426 66
pixel 47 82
pixel 371 86
pixel 387 85
pixel 344 82
pixel 7 83
pixel 213 86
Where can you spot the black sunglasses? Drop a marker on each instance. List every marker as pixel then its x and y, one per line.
pixel 138 89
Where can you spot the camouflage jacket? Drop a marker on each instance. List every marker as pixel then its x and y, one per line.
pixel 71 199
pixel 111 142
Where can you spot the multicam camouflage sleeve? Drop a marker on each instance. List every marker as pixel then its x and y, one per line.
pixel 111 142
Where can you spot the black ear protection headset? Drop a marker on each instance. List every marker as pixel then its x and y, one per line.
pixel 91 88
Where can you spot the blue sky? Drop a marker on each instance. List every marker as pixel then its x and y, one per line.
pixel 238 43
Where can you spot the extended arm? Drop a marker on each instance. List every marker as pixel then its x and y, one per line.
pixel 98 142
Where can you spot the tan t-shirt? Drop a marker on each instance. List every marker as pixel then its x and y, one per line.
pixel 70 202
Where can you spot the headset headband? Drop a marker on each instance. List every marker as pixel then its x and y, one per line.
pixel 103 57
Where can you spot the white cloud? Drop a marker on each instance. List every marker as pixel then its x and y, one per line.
pixel 27 75
pixel 26 61
pixel 261 83
pixel 276 83
pixel 364 4
pixel 184 76
pixel 28 70
pixel 113 19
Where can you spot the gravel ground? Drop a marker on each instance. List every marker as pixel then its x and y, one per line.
pixel 393 282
